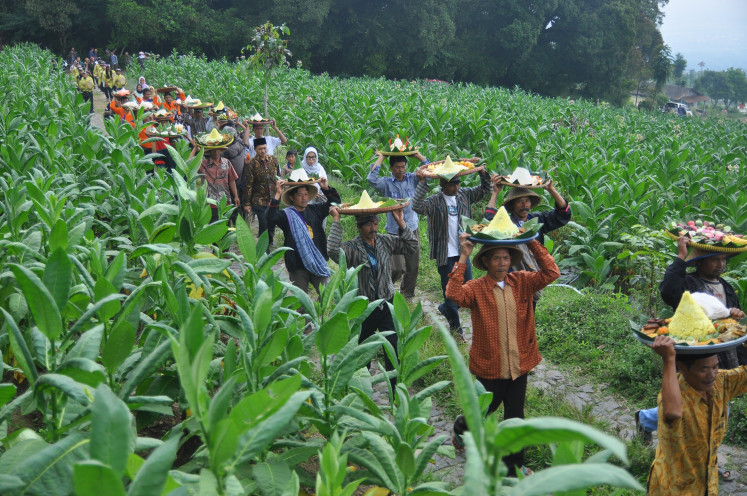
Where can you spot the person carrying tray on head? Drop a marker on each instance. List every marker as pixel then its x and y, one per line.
pixel 706 279
pixel 401 185
pixel 694 407
pixel 301 223
pixel 445 210
pixel 221 178
pixel 258 130
pixel 373 252
pixel 504 342
pixel 519 203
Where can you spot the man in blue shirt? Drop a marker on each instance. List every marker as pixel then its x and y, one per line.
pixel 401 184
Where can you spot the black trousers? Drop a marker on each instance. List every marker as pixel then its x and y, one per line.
pixel 88 97
pixel 512 393
pixel 380 320
pixel 261 213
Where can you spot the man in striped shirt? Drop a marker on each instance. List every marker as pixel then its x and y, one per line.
pixel 374 252
pixel 445 210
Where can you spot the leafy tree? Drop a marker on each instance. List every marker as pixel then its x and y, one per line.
pixel 729 85
pixel 54 15
pixel 662 66
pixel 679 66
pixel 270 50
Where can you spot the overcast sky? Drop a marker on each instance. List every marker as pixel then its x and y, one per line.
pixel 711 31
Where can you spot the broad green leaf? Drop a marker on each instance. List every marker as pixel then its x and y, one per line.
pixel 103 289
pixel 209 265
pixel 58 236
pixel 112 438
pixel 93 478
pixel 516 434
pixel 272 478
pixel 574 477
pixel 211 234
pixel 58 276
pixel 118 346
pixel 245 240
pixel 50 471
pixel 9 484
pixel 272 349
pixel 145 368
pixel 332 335
pixel 151 477
pixel 75 390
pixel 7 392
pixel 88 344
pixel 40 301
pixel 20 349
pixel 117 269
pixel 159 209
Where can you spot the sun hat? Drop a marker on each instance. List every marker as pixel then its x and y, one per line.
pixel 697 254
pixel 522 193
pixel 516 255
pixel 290 189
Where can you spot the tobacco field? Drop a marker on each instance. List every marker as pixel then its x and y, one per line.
pixel 146 351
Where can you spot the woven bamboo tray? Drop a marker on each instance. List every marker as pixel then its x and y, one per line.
pixel 714 248
pixel 344 210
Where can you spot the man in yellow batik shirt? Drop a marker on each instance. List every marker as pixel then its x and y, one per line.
pixel 693 412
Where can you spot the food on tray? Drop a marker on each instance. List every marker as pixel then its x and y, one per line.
pixel 690 325
pixel 214 138
pixel 257 118
pixel 448 167
pixel 523 177
pixel 501 227
pixel 365 202
pixel 219 107
pixel 398 146
pixel 690 321
pixel 708 233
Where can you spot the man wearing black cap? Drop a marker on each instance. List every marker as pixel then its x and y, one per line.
pixel 444 211
pixel 259 185
pixel 373 252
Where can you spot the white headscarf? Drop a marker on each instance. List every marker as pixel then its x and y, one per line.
pixel 142 82
pixel 317 169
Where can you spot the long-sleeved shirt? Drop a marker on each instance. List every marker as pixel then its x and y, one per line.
pixel 259 181
pixel 485 355
pixel 438 215
pixel 392 188
pixel 314 215
pixel 373 284
pixel 676 281
pixel 686 461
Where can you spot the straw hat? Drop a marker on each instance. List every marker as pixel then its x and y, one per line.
pixel 289 187
pixel 522 193
pixel 516 255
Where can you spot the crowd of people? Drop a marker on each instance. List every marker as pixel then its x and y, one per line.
pixel 245 172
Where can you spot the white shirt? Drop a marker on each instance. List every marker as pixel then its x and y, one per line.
pixel 453 247
pixel 272 143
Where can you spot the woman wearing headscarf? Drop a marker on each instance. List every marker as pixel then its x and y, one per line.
pixel 139 91
pixel 141 81
pixel 312 167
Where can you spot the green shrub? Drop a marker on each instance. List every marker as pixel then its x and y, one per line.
pixel 592 332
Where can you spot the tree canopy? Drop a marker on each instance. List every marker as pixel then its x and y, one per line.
pixel 569 47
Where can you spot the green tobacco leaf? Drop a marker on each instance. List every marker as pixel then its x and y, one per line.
pixel 50 470
pixel 9 484
pixel 112 438
pixel 245 240
pixel 58 236
pixel 516 434
pixel 93 478
pixel 103 289
pixel 58 276
pixel 151 477
pixel 118 346
pixel 41 303
pixel 7 391
pixel 212 233
pixel 272 478
pixel 574 477
pixel 20 349
pixel 69 386
pixel 209 265
pixel 333 334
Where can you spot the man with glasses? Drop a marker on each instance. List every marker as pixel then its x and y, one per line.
pixel 444 211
